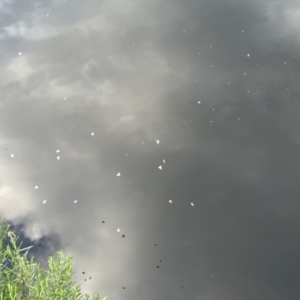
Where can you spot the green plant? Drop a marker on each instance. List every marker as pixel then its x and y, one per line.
pixel 21 279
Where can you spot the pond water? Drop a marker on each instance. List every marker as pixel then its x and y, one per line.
pixel 155 141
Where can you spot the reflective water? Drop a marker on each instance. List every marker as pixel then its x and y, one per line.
pixel 157 142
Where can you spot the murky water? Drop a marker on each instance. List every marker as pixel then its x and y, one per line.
pixel 157 142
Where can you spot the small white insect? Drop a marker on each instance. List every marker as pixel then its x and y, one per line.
pixel 47 15
pixel 57 151
pixel 58 157
pixel 160 167
pixel 36 187
pixel 20 53
pixel 192 204
pixel 118 229
pixel 199 53
pixel 211 121
pixel 244 73
pixel 12 155
pixel 92 133
pixel 248 54
pixel 75 201
pixel 170 201
pixel 285 62
pixel 199 102
pixel 157 141
pixel 143 143
pixel 119 174
pixel 44 201
pixel 239 119
pixel 65 98
pixel 164 161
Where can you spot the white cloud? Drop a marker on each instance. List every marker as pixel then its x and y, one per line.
pixel 18 69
